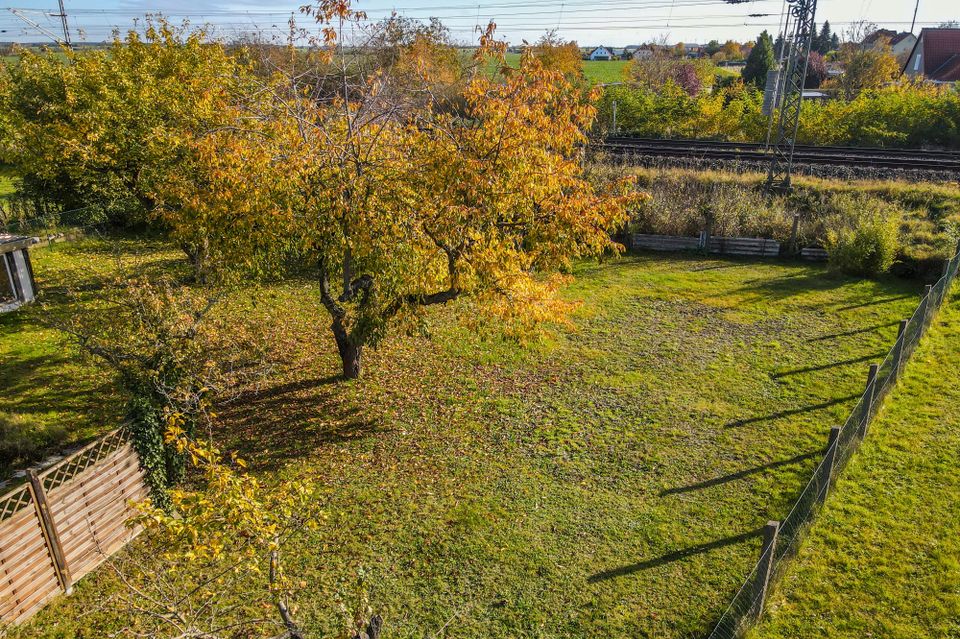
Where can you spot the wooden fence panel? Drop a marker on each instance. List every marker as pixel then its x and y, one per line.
pixel 29 576
pixel 749 246
pixel 640 241
pixel 65 523
pixel 88 495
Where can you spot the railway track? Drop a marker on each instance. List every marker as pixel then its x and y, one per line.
pixel 884 159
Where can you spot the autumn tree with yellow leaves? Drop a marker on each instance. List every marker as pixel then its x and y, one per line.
pixel 399 203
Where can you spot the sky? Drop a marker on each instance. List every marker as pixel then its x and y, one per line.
pixel 611 23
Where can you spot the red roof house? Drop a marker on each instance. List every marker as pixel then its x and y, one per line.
pixel 936 56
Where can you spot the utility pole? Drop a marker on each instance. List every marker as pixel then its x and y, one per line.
pixel 915 9
pixel 794 76
pixel 19 13
pixel 63 21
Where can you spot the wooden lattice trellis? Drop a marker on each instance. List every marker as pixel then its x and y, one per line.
pixel 61 473
pixel 14 501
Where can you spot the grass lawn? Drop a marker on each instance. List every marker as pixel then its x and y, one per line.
pixel 882 560
pixel 6 181
pixel 51 397
pixel 605 481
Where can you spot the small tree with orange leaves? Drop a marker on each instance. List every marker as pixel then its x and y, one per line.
pixel 556 54
pixel 399 203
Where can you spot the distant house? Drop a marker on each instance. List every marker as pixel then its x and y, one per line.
pixel 641 54
pixel 935 56
pixel 16 274
pixel 900 43
pixel 601 53
pixel 694 50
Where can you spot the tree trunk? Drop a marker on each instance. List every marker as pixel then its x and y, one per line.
pixel 349 354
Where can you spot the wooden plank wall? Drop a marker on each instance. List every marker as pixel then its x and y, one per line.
pixel 65 523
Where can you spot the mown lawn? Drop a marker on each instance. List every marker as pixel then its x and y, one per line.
pixel 883 560
pixel 605 481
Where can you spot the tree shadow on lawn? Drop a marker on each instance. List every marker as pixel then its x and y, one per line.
pixel 35 387
pixel 742 474
pixel 671 557
pixel 271 427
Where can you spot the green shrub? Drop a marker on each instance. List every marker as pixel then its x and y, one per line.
pixel 863 237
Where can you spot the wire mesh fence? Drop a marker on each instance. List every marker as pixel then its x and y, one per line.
pixel 747 605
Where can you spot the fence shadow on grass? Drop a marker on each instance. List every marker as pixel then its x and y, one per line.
pixel 790 413
pixel 883 300
pixel 782 538
pixel 859 331
pixel 822 367
pixel 742 474
pixel 671 557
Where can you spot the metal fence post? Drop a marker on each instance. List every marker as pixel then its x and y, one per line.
pixel 901 345
pixel 868 397
pixel 770 532
pixel 829 460
pixel 50 532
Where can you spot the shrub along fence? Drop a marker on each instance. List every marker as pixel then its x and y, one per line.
pixel 782 538
pixel 65 522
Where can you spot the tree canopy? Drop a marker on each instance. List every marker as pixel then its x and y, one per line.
pixel 94 128
pixel 398 204
pixel 760 61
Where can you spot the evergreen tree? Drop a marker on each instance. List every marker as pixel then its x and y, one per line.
pixel 761 60
pixel 778 46
pixel 823 43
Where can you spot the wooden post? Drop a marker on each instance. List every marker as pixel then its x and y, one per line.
pixel 927 294
pixel 50 532
pixel 829 460
pixel 900 346
pixel 868 398
pixel 708 232
pixel 770 532
pixel 794 233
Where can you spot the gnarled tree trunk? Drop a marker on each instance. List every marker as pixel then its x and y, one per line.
pixel 349 355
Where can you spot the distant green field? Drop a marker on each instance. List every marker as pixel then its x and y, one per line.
pixel 597 71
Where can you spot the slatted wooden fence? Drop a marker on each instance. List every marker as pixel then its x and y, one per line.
pixel 643 242
pixel 748 246
pixel 751 246
pixel 65 522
